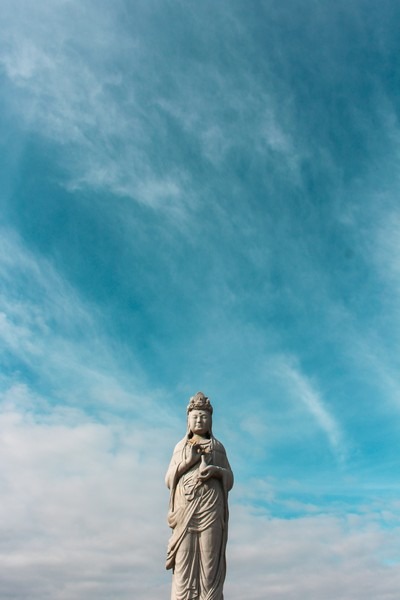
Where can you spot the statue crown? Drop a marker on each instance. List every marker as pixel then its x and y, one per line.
pixel 199 402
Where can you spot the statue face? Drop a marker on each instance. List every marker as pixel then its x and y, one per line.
pixel 199 421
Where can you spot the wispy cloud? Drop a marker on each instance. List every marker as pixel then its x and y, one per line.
pixel 81 103
pixel 303 389
pixel 109 125
pixel 47 329
pixel 370 331
pixel 385 247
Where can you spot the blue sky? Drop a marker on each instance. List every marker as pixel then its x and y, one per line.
pixel 199 196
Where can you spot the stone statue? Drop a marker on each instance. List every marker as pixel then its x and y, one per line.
pixel 199 478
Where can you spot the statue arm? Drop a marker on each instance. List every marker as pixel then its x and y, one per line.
pixel 222 471
pixel 181 462
pixel 226 471
pixel 228 475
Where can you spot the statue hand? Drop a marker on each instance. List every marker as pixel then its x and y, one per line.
pixel 208 472
pixel 195 453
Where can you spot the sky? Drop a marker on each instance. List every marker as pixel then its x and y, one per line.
pixel 199 196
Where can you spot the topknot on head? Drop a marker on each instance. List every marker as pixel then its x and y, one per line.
pixel 199 402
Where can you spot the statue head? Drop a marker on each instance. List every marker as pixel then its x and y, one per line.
pixel 199 402
pixel 199 413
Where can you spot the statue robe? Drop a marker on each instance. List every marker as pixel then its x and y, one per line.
pixel 198 515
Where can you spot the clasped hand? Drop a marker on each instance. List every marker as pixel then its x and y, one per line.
pixel 208 472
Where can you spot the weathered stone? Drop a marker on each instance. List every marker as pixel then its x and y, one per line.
pixel 199 478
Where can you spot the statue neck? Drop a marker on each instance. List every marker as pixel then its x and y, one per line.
pixel 199 439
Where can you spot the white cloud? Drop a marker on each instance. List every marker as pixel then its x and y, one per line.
pixel 83 515
pixel 312 557
pixel 83 505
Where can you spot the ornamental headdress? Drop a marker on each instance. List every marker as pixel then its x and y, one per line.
pixel 199 402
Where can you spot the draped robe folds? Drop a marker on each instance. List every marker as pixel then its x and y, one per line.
pixel 198 515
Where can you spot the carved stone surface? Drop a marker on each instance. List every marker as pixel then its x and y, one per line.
pixel 199 478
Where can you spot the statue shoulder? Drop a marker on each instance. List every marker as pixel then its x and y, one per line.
pixel 218 446
pixel 180 445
